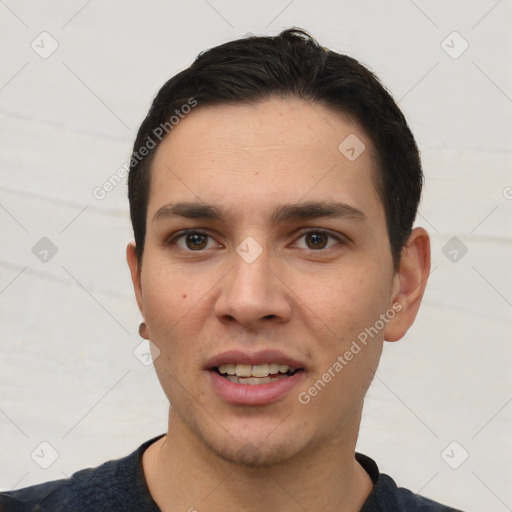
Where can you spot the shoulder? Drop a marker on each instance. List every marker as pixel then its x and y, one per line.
pixel 79 493
pixel 116 485
pixel 386 496
pixel 409 501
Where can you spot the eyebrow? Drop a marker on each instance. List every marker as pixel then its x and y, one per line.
pixel 282 213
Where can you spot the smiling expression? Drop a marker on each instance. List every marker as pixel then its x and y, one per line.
pixel 264 246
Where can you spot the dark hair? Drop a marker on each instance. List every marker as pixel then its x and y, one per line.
pixel 291 64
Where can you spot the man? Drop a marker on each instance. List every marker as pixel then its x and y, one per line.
pixel 273 188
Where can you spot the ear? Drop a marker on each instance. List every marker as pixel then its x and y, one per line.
pixel 131 257
pixel 409 284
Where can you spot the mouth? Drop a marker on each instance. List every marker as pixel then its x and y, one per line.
pixel 261 378
pixel 257 374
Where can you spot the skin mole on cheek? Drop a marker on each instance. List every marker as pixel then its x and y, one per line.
pixel 184 295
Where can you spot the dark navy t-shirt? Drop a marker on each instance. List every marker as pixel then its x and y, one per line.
pixel 119 486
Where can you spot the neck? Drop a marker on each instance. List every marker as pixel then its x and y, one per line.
pixel 183 474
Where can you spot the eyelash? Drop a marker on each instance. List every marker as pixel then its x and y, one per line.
pixel 306 231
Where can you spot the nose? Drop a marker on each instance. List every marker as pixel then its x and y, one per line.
pixel 253 294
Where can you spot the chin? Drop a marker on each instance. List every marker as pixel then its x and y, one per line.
pixel 261 444
pixel 254 440
pixel 255 455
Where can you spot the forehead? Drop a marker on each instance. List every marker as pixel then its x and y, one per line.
pixel 250 157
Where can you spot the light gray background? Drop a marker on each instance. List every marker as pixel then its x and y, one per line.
pixel 68 375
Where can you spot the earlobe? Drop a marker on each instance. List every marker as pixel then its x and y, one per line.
pixel 409 283
pixel 133 264
pixel 143 331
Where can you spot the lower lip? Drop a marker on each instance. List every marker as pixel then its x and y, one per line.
pixel 257 394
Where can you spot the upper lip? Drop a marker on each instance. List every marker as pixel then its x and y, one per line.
pixel 260 357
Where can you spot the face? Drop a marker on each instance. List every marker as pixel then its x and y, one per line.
pixel 280 256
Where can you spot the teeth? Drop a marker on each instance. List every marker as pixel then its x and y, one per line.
pixel 252 381
pixel 258 370
pixel 243 370
pixel 273 368
pixel 230 369
pixel 255 380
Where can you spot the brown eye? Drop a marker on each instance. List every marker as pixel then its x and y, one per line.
pixel 196 241
pixel 316 240
pixel 193 241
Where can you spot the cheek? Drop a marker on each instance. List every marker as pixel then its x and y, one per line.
pixel 357 305
pixel 347 301
pixel 169 291
pixel 171 299
pixel 346 355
